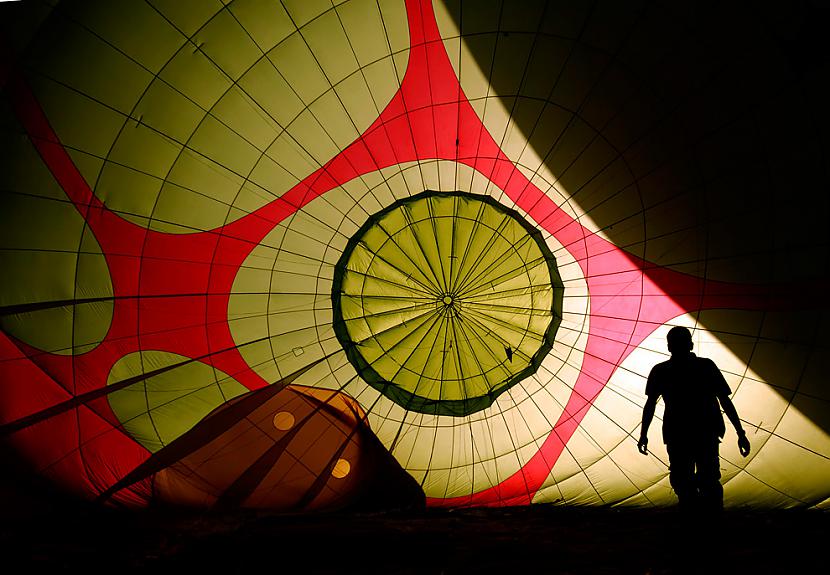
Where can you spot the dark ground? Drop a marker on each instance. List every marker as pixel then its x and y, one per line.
pixel 43 531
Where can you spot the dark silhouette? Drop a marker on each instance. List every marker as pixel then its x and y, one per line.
pixel 691 387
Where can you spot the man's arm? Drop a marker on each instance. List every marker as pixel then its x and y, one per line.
pixel 648 415
pixel 732 414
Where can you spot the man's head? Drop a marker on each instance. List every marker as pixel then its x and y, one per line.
pixel 680 340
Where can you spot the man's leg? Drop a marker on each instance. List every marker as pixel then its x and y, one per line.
pixel 708 475
pixel 682 474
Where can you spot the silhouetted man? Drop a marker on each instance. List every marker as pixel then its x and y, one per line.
pixel 691 387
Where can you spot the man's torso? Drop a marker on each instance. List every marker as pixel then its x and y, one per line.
pixel 690 387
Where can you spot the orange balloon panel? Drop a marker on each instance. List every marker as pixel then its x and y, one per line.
pixel 301 449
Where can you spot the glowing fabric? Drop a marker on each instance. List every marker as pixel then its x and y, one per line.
pixel 186 218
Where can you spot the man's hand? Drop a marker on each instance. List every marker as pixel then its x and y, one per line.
pixel 642 445
pixel 743 443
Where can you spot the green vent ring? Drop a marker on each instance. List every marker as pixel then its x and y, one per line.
pixel 444 300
